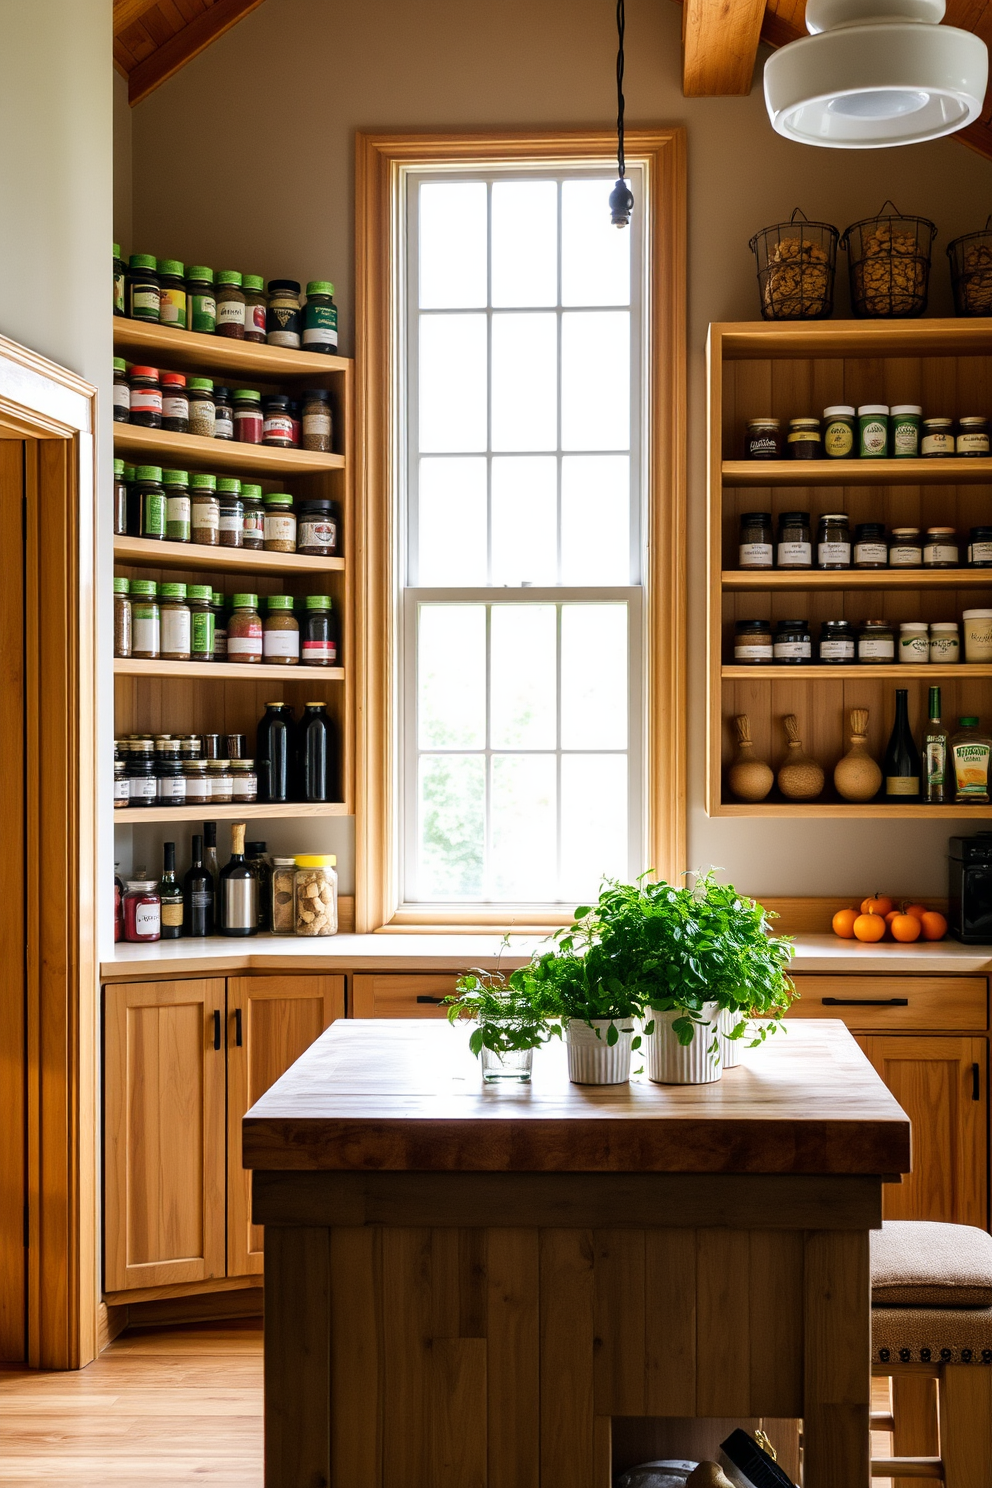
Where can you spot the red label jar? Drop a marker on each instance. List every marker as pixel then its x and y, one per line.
pixel 142 910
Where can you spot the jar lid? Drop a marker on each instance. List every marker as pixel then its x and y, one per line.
pixel 764 423
pixel 247 395
pixel 316 503
pixel 905 532
pixel 937 423
pixel 804 423
pixel 316 860
pixel 322 393
pixel 753 625
pixel 971 421
pixel 221 392
pixel 229 276
pixel 199 273
pixel 898 408
pixel 868 409
pixel 173 379
pixel 794 519
pixel 277 400
pixel 913 625
pixel 319 602
pixel 122 586
pixel 170 266
pixel 877 624
pixel 279 704
pixel 167 745
pixel 283 862
pixel 201 384
pixel 245 601
pixel 293 285
pixel 143 589
pixel 870 529
pixel 320 287
pixel 835 623
pixel 195 766
pixel 277 498
pixel 252 281
pixel 129 472
pixel 944 625
pixel 792 625
pixel 218 598
pixel 172 591
pixel 175 477
pixel 839 410
pixel 120 365
pixel 142 884
pixel 198 591
pixel 250 492
pixel 117 254
pixel 976 614
pixel 279 602
pixel 221 766
pixel 245 766
pixel 981 532
pixel 199 481
pixel 834 517
pixel 149 473
pixel 142 261
pixel 940 531
pixel 228 485
pixel 762 518
pixel 968 722
pixel 151 372
pixel 118 467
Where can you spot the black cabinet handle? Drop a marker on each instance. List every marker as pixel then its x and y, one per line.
pixel 434 1001
pixel 237 1027
pixel 216 1028
pixel 865 1001
pixel 976 1082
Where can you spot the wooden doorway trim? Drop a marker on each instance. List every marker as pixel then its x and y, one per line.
pixel 53 413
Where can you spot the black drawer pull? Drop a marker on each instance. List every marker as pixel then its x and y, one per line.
pixel 237 1027
pixel 976 1082
pixel 865 1001
pixel 434 1001
pixel 216 1028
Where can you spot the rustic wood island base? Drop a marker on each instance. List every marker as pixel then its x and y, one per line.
pixel 465 1285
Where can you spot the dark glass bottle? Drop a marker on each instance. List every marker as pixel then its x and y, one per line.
pixel 317 755
pixel 937 786
pixel 212 863
pixel 901 766
pixel 274 753
pixel 261 865
pixel 238 889
pixel 171 894
pixel 198 894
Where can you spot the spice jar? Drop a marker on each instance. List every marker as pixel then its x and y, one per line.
pixel 976 626
pixel 940 548
pixel 247 416
pixel 201 306
pixel 146 633
pixel 795 547
pixel 253 534
pixel 836 644
pixel 221 784
pixel 230 305
pixel 945 645
pixel 142 910
pixel 906 549
pixel 753 643
pixel 317 431
pixel 220 627
pixel 170 780
pixel 906 419
pixel 839 431
pixel 122 392
pixel 973 437
pixel 190 745
pixel 937 442
pixel 205 509
pixel 201 621
pixel 281 634
pixel 870 548
pixel 756 548
pixel 315 892
pixel 244 630
pixel 792 643
pixel 120 500
pixel 764 439
pixel 122 788
pixel 282 319
pixel 876 643
pixel 172 294
pixel 201 407
pixel 321 644
pixel 197 783
pixel 232 513
pixel 280 522
pixel 146 398
pixel 833 541
pixel 142 785
pixel 320 318
pixel 122 618
pixel 235 746
pixel 223 413
pixel 142 287
pixel 277 422
pixel 146 503
pixel 317 528
pixel 980 547
pixel 175 403
pixel 873 431
pixel 175 622
pixel 255 307
pixel 914 642
pixel 283 883
pixel 178 511
pixel 244 780
pixel 119 277
pixel 804 440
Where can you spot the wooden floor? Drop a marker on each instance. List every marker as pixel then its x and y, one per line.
pixel 160 1408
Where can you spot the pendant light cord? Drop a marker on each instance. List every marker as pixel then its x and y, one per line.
pixel 621 26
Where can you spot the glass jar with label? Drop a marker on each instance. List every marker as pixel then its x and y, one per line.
pixel 142 910
pixel 973 437
pixel 795 546
pixel 792 644
pixel 282 318
pixel 839 432
pixel 945 644
pixel 876 643
pixel 914 642
pixel 191 745
pixel 230 305
pixel 197 783
pixel 122 392
pixel 764 439
pixel 906 548
pixel 172 294
pixel 142 785
pixel 906 421
pixel 235 745
pixel 937 439
pixel 980 547
pixel 873 431
pixel 315 894
pixel 316 426
pixel 146 398
pixel 277 422
pixel 175 403
pixel 201 622
pixel 940 548
pixel 247 416
pixel 120 500
pixel 320 318
pixel 976 629
pixel 142 287
pixel 833 541
pixel 280 522
pixel 254 288
pixel 254 520
pixel 756 547
pixel 122 618
pixel 753 643
pixel 321 640
pixel 870 548
pixel 175 620
pixel 201 407
pixel 244 780
pixel 836 644
pixel 178 510
pixel 170 781
pixel 201 305
pixel 244 630
pixel 146 504
pixel 804 440
pixel 281 635
pixel 120 273
pixel 232 512
pixel 204 509
pixel 220 626
pixel 317 528
pixel 221 784
pixel 122 788
pixel 223 413
pixel 146 629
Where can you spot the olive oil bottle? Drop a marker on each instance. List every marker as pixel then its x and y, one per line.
pixel 937 784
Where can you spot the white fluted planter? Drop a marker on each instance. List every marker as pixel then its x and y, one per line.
pixel 591 1060
pixel 670 1063
pixel 732 1050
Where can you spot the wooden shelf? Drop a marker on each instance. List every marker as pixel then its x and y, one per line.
pixel 803 473
pixel 800 579
pixel 749 339
pixel 226 671
pixel 874 811
pixel 821 672
pixel 179 350
pixel 143 552
pixel 256 811
pixel 157 446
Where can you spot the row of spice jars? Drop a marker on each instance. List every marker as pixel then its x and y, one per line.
pixel 164 291
pixel 193 622
pixel 197 405
pixel 164 771
pixel 873 431
pixel 221 511
pixel 868 546
pixel 873 642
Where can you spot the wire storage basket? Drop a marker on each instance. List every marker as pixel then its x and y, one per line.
pixel 971 271
pixel 889 261
pixel 796 264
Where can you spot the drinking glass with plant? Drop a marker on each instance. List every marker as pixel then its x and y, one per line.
pixel 511 1024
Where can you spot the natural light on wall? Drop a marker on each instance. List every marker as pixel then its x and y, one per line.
pixel 521 675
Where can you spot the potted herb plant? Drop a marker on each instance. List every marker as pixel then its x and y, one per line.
pixel 511 1024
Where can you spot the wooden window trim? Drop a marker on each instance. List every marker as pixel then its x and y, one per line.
pixel 381 163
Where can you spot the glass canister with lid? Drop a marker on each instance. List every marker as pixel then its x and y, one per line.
pixel 937 442
pixel 315 893
pixel 795 545
pixel 870 548
pixel 320 318
pixel 756 544
pixel 122 392
pixel 201 615
pixel 283 918
pixel 230 305
pixel 254 521
pixel 839 432
pixel 906 422
pixel 244 630
pixel 145 408
pixel 973 437
pixel 175 622
pixel 172 294
pixel 764 439
pixel 317 527
pixel 945 643
pixel 122 617
pixel 232 512
pixel 906 549
pixel 914 642
pixel 280 522
pixel 201 305
pixel 282 319
pixel 833 541
pixel 178 512
pixel 980 547
pixel 223 413
pixel 837 643
pixel 804 440
pixel 247 416
pixel 201 407
pixel 204 509
pixel 876 643
pixel 255 307
pixel 792 643
pixel 753 643
pixel 321 640
pixel 146 631
pixel 281 635
pixel 940 548
pixel 873 431
pixel 316 427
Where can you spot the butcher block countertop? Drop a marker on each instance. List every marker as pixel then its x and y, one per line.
pixel 402 1095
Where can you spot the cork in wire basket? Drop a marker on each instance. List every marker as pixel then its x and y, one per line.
pixel 889 264
pixel 796 264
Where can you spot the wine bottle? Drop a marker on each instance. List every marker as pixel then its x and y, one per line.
pixel 901 766
pixel 198 894
pixel 273 753
pixel 317 755
pixel 171 894
pixel 212 864
pixel 936 779
pixel 238 889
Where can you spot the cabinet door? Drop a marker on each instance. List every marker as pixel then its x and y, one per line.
pixel 394 995
pixel 942 1085
pixel 164 1080
pixel 271 1021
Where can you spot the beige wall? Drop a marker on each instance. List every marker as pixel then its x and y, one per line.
pixel 123 116
pixel 245 158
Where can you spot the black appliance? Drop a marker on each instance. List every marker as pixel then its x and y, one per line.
pixel 969 913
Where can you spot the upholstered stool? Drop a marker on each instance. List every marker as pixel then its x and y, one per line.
pixel 931 1324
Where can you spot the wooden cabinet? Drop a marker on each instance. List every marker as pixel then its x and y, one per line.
pixel 394 995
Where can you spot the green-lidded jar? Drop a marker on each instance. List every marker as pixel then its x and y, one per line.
pixel 120 273
pixel 201 406
pixel 840 432
pixel 873 431
pixel 232 512
pixel 172 293
pixel 254 288
pixel 178 525
pixel 244 630
pixel 247 416
pixel 283 320
pixel 321 638
pixel 204 509
pixel 219 606
pixel 905 420
pixel 122 617
pixel 122 392
pixel 201 304
pixel 148 494
pixel 199 597
pixel 280 523
pixel 120 500
pixel 142 287
pixel 230 305
pixel 281 633
pixel 320 318
pixel 254 520
pixel 146 630
pixel 175 622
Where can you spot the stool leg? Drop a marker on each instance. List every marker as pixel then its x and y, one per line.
pixel 966 1425
pixel 914 1410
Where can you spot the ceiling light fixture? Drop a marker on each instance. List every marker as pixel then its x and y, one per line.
pixel 874 73
pixel 621 197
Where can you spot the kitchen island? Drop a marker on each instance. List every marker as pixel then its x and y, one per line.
pixel 464 1286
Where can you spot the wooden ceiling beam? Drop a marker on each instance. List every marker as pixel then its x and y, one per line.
pixel 188 43
pixel 719 46
pixel 126 12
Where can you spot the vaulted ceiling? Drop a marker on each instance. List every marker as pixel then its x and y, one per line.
pixel 154 38
pixel 720 42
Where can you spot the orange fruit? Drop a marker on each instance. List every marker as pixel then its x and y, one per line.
pixel 890 917
pixel 934 925
pixel 843 923
pixel 906 927
pixel 918 910
pixel 869 927
pixel 878 904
